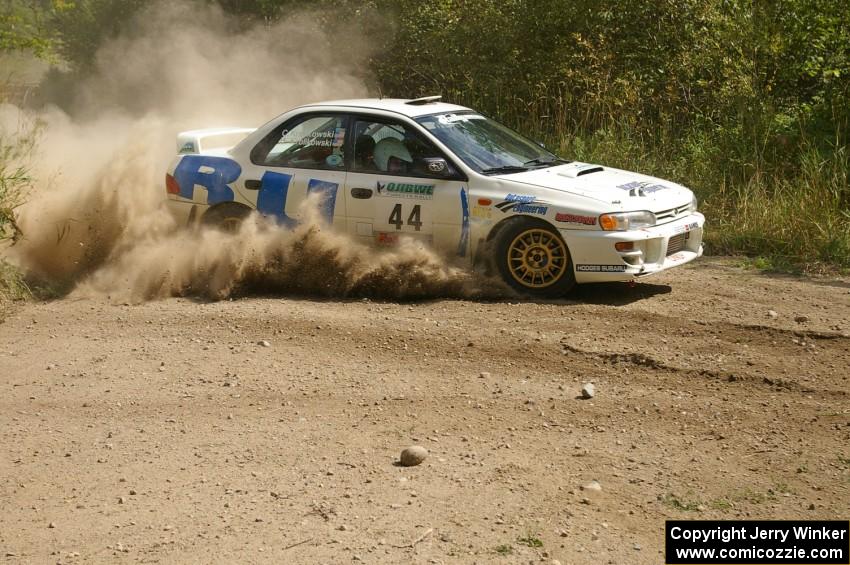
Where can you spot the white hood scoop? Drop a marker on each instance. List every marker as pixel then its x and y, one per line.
pixel 575 170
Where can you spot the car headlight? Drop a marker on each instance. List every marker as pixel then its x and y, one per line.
pixel 623 221
pixel 694 204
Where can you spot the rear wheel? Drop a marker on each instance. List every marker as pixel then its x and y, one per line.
pixel 226 217
pixel 533 259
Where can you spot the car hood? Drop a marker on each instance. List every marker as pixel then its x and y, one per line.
pixel 631 190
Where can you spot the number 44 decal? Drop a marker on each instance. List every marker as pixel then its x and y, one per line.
pixel 414 219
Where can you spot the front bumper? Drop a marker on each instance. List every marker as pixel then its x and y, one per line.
pixel 655 249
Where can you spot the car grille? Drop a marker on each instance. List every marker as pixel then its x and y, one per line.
pixel 672 213
pixel 676 243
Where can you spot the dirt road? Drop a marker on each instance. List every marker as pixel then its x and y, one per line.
pixel 167 432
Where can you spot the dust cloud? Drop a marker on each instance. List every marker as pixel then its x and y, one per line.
pixel 264 258
pixel 95 221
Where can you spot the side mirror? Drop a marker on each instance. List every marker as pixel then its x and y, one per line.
pixel 438 166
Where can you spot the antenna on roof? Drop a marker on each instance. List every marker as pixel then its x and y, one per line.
pixel 424 100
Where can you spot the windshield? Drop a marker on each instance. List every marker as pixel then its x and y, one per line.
pixel 485 145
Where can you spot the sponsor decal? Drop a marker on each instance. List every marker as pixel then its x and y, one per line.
pixel 448 119
pixel 464 230
pixel 576 219
pixel 386 238
pixel 274 190
pixel 676 257
pixel 211 173
pixel 188 147
pixel 215 174
pixel 520 203
pixel 389 238
pixel 405 190
pixel 530 209
pixel 686 227
pixel 271 201
pixel 519 198
pixel 482 212
pixel 642 188
pixel 326 192
pixel 601 268
pixel 333 138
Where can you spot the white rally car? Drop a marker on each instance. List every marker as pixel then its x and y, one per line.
pixel 465 184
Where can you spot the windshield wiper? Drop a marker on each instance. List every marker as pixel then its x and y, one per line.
pixel 504 169
pixel 546 162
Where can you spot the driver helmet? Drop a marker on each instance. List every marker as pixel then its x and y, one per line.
pixel 391 155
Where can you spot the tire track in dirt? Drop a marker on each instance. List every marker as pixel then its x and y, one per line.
pixel 811 361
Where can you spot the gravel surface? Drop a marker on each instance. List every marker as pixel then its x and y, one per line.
pixel 269 429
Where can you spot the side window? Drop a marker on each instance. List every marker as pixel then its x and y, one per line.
pixel 305 142
pixel 390 147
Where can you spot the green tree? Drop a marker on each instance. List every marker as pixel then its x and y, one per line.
pixel 24 25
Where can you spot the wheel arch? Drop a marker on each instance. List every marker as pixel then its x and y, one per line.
pixel 222 207
pixel 502 224
pixel 485 244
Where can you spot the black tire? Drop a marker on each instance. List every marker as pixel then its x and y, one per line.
pixel 533 259
pixel 226 217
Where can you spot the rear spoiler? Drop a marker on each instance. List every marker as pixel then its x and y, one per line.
pixel 190 141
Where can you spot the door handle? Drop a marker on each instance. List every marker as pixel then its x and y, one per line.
pixel 253 184
pixel 362 193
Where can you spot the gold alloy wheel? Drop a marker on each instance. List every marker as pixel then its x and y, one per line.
pixel 537 258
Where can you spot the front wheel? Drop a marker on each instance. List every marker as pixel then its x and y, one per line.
pixel 533 259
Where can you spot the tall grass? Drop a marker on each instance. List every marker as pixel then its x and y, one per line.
pixel 803 220
pixel 12 286
pixel 16 148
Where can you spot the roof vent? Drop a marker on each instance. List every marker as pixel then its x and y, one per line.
pixel 424 100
